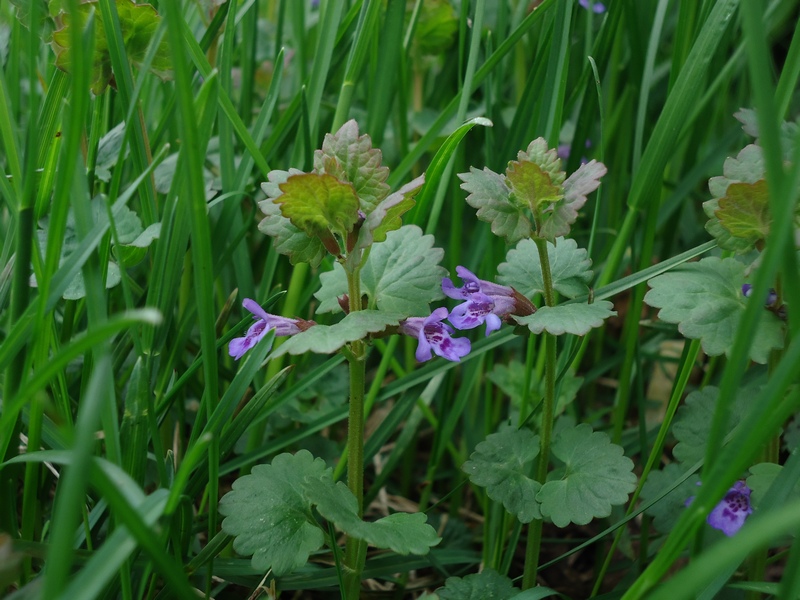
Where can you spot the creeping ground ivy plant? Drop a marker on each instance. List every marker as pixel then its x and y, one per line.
pixel 384 278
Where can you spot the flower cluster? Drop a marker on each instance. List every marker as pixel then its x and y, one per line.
pixel 730 514
pixel 264 323
pixel 484 302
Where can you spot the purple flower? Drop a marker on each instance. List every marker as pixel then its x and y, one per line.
pixel 597 7
pixel 729 515
pixel 772 296
pixel 472 285
pixel 478 309
pixel 486 302
pixel 433 335
pixel 264 322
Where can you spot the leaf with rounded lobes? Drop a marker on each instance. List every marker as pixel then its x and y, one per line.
pixel 138 23
pixel 705 299
pixel 531 186
pixel 489 193
pixel 577 319
pixel 269 516
pixel 326 339
pixel 557 220
pixel 694 417
pixel 747 167
pixel 502 464
pixel 744 211
pixel 569 268
pixel 350 157
pixel 404 533
pixel 596 476
pixel 479 586
pixel 286 238
pixel 762 476
pixel 386 215
pixel 546 158
pixel 668 510
pixel 401 275
pixel 319 204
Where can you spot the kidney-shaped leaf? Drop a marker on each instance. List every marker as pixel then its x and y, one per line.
pixel 400 275
pixel 569 268
pixel 576 319
pixel 596 476
pixel 502 464
pixel 269 516
pixel 705 300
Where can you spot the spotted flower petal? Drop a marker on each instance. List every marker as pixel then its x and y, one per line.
pixel 478 309
pixel 732 511
pixel 434 337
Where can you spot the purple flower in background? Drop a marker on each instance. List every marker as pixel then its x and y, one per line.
pixel 264 322
pixel 596 7
pixel 772 296
pixel 730 514
pixel 433 335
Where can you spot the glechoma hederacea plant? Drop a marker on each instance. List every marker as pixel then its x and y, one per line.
pixel 384 279
pixel 428 394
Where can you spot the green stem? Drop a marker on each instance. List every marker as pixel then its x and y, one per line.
pixel 355 550
pixel 548 416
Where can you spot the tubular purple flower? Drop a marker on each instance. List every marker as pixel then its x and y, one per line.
pixel 732 511
pixel 486 302
pixel 264 323
pixel 472 285
pixel 433 335
pixel 478 309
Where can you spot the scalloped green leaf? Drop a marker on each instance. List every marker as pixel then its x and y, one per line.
pixel 556 221
pixel 748 118
pixel 387 215
pixel 569 268
pixel 502 464
pixel 762 476
pixel 326 339
pixel 596 476
pixel 436 27
pixel 744 211
pixel 531 186
pixel 490 195
pixel 478 586
pixel 705 299
pixel 668 510
pixel 747 167
pixel 319 204
pixel 404 533
pixel 693 421
pixel 287 239
pixel 138 22
pixel 401 275
pixel 546 158
pixel 577 319
pixel 269 515
pixel 349 157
